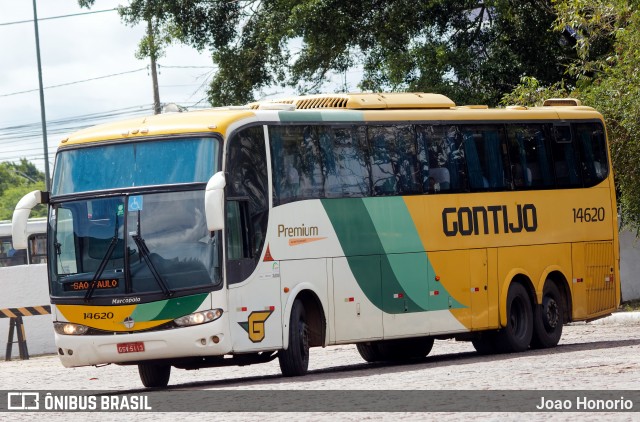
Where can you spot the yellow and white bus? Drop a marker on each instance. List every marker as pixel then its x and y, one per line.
pixel 237 235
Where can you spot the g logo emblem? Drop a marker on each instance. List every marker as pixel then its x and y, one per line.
pixel 254 326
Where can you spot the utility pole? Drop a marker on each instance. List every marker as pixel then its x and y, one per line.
pixel 154 74
pixel 47 180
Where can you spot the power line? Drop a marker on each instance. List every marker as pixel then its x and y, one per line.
pixel 187 67
pixel 25 135
pixel 58 17
pixel 74 82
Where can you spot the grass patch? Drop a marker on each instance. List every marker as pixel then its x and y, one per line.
pixel 631 305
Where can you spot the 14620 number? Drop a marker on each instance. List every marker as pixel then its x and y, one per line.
pixel 588 215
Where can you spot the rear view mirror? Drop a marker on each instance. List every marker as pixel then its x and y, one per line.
pixel 21 216
pixel 214 202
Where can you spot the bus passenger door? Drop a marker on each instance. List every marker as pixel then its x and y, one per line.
pixel 254 287
pixel 357 298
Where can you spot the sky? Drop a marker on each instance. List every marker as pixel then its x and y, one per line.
pixel 73 49
pixel 89 72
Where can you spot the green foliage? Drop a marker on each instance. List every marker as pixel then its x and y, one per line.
pixel 530 93
pixel 16 180
pixel 471 50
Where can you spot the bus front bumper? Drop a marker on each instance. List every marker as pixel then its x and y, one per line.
pixel 211 339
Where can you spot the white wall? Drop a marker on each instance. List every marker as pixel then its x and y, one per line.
pixel 629 265
pixel 26 285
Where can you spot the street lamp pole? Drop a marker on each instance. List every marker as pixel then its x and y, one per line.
pixel 42 112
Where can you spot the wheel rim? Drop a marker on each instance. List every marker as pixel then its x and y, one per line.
pixel 551 312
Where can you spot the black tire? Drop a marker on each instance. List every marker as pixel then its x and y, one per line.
pixel 370 351
pixel 516 336
pixel 294 361
pixel 548 318
pixel 395 350
pixel 485 343
pixel 154 376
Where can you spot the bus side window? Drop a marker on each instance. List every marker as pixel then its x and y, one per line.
pixel 593 148
pixel 441 157
pixel 6 251
pixel 528 149
pixel 344 162
pixel 565 157
pixel 295 156
pixel 381 139
pixel 37 248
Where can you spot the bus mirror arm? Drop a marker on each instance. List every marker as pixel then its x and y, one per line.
pixel 214 202
pixel 21 215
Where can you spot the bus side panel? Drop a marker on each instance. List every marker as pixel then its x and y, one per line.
pixel 300 275
pixel 531 262
pixel 493 289
pixel 594 281
pixel 356 317
pixel 578 285
pixel 463 274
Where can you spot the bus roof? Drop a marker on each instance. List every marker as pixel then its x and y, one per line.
pixel 353 107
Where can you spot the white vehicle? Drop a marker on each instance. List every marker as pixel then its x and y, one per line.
pixel 35 253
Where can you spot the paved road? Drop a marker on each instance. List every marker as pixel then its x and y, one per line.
pixel 589 356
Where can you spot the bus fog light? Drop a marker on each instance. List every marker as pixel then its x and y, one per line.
pixel 215 339
pixel 197 318
pixel 69 329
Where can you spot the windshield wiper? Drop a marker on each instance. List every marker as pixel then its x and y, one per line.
pixel 103 264
pixel 146 255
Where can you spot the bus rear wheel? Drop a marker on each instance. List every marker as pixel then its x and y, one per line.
pixel 548 318
pixel 294 361
pixel 485 343
pixel 516 336
pixel 154 376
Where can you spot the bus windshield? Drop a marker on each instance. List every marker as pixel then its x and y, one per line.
pixel 132 244
pixel 134 164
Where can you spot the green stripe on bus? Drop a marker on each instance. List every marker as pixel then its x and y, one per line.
pixel 321 116
pixel 168 309
pixel 384 227
pixel 358 236
pixel 410 265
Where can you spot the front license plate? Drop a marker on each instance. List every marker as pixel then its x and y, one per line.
pixel 136 346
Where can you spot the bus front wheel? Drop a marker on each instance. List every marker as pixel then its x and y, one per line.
pixel 516 336
pixel 294 361
pixel 548 318
pixel 154 376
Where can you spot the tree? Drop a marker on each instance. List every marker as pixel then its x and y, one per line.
pixel 16 180
pixel 471 50
pixel 607 75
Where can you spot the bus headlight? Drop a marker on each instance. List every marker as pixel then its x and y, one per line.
pixel 69 329
pixel 198 317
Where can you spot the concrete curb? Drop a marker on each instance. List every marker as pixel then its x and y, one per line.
pixel 619 317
